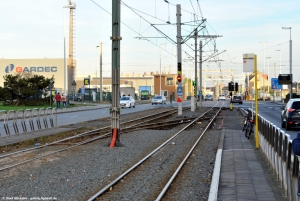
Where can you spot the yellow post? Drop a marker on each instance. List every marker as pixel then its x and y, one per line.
pixel 230 106
pixel 256 104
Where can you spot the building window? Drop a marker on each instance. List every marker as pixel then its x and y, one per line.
pixel 170 81
pixel 164 93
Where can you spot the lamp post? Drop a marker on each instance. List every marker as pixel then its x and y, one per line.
pixel 264 90
pixel 160 67
pixel 291 87
pixel 100 71
pixel 279 61
pixel 268 74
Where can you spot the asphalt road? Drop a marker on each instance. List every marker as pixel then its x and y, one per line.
pixel 269 110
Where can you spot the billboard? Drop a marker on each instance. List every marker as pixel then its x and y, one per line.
pixel 275 85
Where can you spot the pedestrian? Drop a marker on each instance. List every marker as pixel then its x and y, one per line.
pixel 57 99
pixel 64 101
pixel 296 151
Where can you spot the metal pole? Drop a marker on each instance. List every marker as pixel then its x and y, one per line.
pixel 160 75
pixel 65 68
pixel 200 71
pixel 196 79
pixel 256 104
pixel 291 90
pixel 101 98
pixel 115 108
pixel 179 59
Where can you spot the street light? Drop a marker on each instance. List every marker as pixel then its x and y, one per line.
pixel 160 66
pixel 100 71
pixel 268 73
pixel 279 61
pixel 264 90
pixel 291 87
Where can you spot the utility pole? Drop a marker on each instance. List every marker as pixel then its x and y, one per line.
pixel 101 98
pixel 115 71
pixel 200 71
pixel 179 62
pixel 196 36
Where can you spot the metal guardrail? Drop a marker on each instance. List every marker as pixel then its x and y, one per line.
pixel 13 119
pixel 276 145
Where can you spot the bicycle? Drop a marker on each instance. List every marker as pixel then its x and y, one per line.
pixel 249 115
pixel 249 127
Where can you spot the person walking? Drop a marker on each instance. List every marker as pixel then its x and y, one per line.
pixel 64 101
pixel 57 99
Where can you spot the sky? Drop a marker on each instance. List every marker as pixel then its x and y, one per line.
pixel 36 29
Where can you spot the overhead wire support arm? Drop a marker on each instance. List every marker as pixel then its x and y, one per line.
pixel 192 33
pixel 212 56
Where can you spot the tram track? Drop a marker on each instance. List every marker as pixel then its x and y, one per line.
pixel 159 168
pixel 15 159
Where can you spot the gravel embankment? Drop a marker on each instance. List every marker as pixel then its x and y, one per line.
pixel 78 174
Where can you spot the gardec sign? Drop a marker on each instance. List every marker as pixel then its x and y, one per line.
pixel 38 69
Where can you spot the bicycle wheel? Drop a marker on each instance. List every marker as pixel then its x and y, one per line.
pixel 245 125
pixel 246 130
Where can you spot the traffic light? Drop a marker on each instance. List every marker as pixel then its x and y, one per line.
pixel 236 86
pixel 230 86
pixel 178 78
pixel 194 83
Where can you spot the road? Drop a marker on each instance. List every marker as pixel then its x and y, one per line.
pixel 269 110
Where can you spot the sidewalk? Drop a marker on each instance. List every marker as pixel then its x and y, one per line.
pixel 243 173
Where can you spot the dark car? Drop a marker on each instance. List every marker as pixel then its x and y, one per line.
pixel 208 97
pixel 290 115
pixel 237 99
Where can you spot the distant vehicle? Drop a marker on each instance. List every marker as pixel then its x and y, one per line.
pixel 127 101
pixel 145 95
pixel 158 100
pixel 222 97
pixel 208 97
pixel 237 99
pixel 290 115
pixel 77 97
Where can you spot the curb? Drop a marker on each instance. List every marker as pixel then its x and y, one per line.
pixel 214 186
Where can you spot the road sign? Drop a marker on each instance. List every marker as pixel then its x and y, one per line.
pixel 275 84
pixel 179 91
pixel 248 62
pixel 82 90
pixel 86 81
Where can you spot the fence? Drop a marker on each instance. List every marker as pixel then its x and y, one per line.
pixel 276 146
pixel 29 120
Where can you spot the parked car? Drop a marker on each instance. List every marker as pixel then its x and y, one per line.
pixel 290 114
pixel 208 97
pixel 77 97
pixel 158 100
pixel 222 97
pixel 127 101
pixel 237 99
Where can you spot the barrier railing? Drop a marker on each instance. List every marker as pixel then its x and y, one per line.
pixel 276 146
pixel 14 120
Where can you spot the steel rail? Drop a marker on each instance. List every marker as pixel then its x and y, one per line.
pixel 184 160
pixel 64 149
pixel 80 135
pixel 107 187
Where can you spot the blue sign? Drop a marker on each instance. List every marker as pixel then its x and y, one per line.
pixel 82 90
pixel 274 84
pixel 179 91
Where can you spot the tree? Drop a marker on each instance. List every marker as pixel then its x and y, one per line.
pixel 25 86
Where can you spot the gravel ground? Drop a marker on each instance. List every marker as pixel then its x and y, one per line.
pixel 79 173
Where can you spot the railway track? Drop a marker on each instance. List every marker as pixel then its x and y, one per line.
pixel 157 171
pixel 14 159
